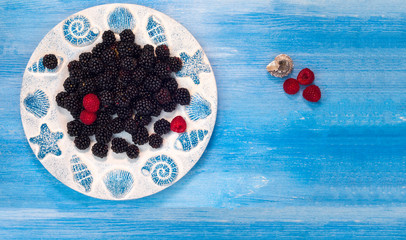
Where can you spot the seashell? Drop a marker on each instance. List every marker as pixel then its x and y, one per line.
pixel 162 168
pixel 156 31
pixel 120 19
pixel 81 174
pixel 38 66
pixel 199 108
pixel 118 182
pixel 37 103
pixel 189 140
pixel 78 31
pixel 281 66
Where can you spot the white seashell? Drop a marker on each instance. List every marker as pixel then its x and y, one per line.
pixel 281 66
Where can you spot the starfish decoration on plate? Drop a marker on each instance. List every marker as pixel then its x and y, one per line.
pixel 193 66
pixel 47 142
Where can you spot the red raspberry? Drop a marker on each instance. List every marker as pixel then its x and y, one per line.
pixel 91 102
pixel 305 77
pixel 291 86
pixel 87 117
pixel 312 93
pixel 178 124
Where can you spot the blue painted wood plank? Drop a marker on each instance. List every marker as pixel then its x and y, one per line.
pixel 276 165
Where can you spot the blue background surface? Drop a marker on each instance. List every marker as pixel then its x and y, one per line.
pixel 276 166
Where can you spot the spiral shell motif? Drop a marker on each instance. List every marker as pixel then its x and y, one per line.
pixel 78 31
pixel 162 169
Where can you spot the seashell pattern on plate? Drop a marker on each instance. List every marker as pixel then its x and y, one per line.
pixel 199 108
pixel 189 140
pixel 81 174
pixel 118 182
pixel 38 66
pixel 37 103
pixel 120 19
pixel 163 170
pixel 116 177
pixel 78 31
pixel 156 31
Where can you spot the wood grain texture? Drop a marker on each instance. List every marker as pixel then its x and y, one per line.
pixel 276 165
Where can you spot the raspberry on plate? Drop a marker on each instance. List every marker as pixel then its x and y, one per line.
pixel 312 93
pixel 291 86
pixel 87 117
pixel 305 77
pixel 178 124
pixel 91 102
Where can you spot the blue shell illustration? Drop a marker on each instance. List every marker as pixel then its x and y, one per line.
pixel 118 182
pixel 199 108
pixel 189 140
pixel 47 142
pixel 120 19
pixel 162 168
pixel 78 31
pixel 37 103
pixel 156 31
pixel 38 66
pixel 193 66
pixel 81 174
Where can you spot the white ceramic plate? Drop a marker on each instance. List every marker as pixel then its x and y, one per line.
pixel 116 177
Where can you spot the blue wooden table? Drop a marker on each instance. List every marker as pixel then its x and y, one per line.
pixel 276 166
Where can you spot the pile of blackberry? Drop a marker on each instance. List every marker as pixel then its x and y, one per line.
pixel 133 84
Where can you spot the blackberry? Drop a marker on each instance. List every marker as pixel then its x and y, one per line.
pixel 147 61
pixel 105 81
pixel 112 71
pixel 133 151
pixel 50 61
pixel 182 96
pixel 148 48
pixel 95 65
pixel 88 130
pixel 163 96
pixel 74 65
pixel 131 126
pixel 169 107
pixel 137 50
pixel 141 136
pixel 106 99
pixel 153 83
pixel 139 75
pixel 110 110
pixel 124 113
pixel 72 102
pixel 103 134
pixel 155 141
pixel 120 86
pixel 162 70
pixel 97 51
pixel 61 98
pixel 162 52
pixel 142 120
pixel 128 63
pixel 76 113
pixel 171 84
pixel 86 87
pixel 162 126
pixel 70 84
pixel 109 57
pixel 108 37
pixel 84 58
pixel 175 64
pixel 131 92
pixel 125 49
pixel 100 150
pixel 103 119
pixel 143 92
pixel 143 107
pixel 74 128
pixel 126 77
pixel 78 73
pixel 157 109
pixel 119 145
pixel 121 100
pixel 82 142
pixel 117 125
pixel 127 36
